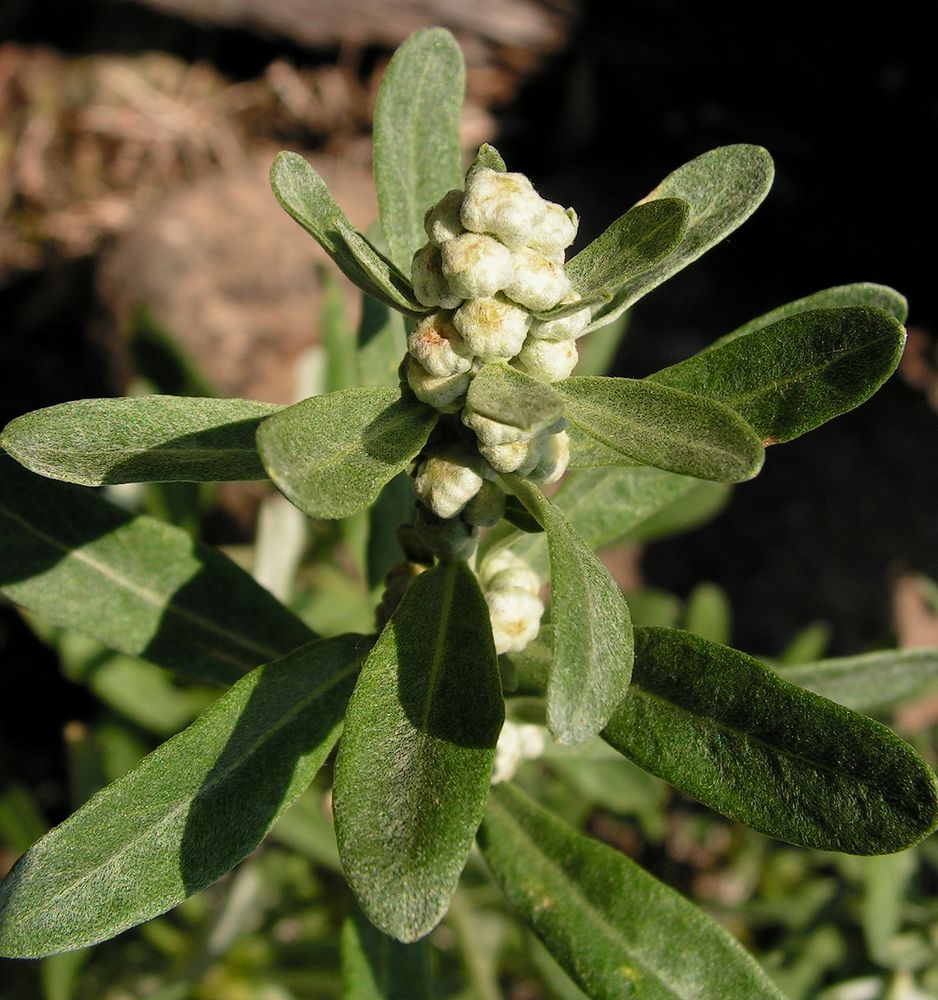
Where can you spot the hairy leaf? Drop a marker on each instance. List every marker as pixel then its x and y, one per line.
pixel 412 772
pixel 616 419
pixel 793 375
pixel 487 156
pixel 509 396
pixel 153 439
pixel 304 196
pixel 182 605
pixel 723 728
pixel 332 454
pixel 189 812
pixel 633 244
pixel 723 188
pixel 417 154
pixel 376 967
pixel 382 343
pixel 862 293
pixel 871 681
pixel 592 630
pixel 613 927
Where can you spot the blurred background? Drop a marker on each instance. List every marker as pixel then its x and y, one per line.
pixel 135 136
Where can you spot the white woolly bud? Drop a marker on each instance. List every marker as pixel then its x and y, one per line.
pixel 555 457
pixel 547 360
pixel 555 230
pixel 438 346
pixel 442 220
pixel 502 204
pixel 493 328
pixel 517 576
pixel 476 266
pixel 516 617
pixel 537 284
pixel 448 479
pixel 567 327
pixel 516 743
pixel 516 456
pixel 443 392
pixel 489 431
pixel 487 507
pixel 502 560
pixel 426 275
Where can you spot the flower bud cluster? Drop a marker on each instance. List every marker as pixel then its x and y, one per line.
pixel 493 262
pixel 516 743
pixel 512 592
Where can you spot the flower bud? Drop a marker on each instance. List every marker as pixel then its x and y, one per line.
pixel 487 507
pixel 555 230
pixel 449 536
pixel 504 205
pixel 476 266
pixel 489 431
pixel 426 275
pixel 438 346
pixel 547 360
pixel 516 456
pixel 504 570
pixel 516 618
pixel 445 393
pixel 448 479
pixel 515 744
pixel 537 284
pixel 493 328
pixel 567 327
pixel 555 457
pixel 442 221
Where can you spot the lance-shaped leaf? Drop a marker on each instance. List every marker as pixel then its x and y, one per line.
pixel 507 395
pixel 381 343
pixel 789 377
pixel 862 293
pixel 152 439
pixel 412 772
pixel 487 156
pixel 620 421
pixel 723 728
pixel 869 682
pixel 417 155
pixel 616 930
pixel 376 967
pixel 188 813
pixel 305 197
pixel 723 188
pixel 331 455
pixel 169 599
pixel 592 629
pixel 633 243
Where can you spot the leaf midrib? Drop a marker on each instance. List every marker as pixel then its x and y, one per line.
pixel 597 918
pixel 204 788
pixel 147 596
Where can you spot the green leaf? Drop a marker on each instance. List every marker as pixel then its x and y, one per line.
pixel 331 455
pixel 337 336
pixel 135 584
pixel 417 155
pixel 723 728
pixel 143 439
pixel 616 421
pixel 382 343
pixel 507 395
pixel 613 927
pixel 412 772
pixel 306 199
pixel 869 682
pixel 487 156
pixel 863 293
pixel 723 188
pixel 793 375
pixel 598 353
pixel 708 613
pixel 633 244
pixel 592 631
pixel 188 813
pixel 376 967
